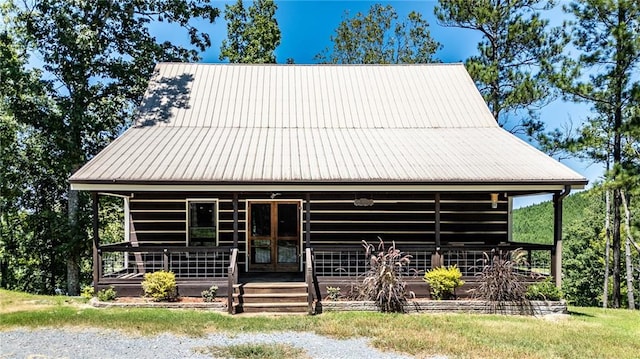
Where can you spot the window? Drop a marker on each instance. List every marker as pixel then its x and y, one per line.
pixel 203 223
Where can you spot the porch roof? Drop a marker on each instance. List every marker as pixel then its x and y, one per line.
pixel 318 124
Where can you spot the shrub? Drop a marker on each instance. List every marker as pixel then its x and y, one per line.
pixel 333 293
pixel 160 286
pixel 443 282
pixel 499 281
pixel 545 290
pixel 88 292
pixel 106 295
pixel 383 283
pixel 209 295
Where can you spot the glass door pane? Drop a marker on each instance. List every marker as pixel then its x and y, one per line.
pixel 287 220
pixel 288 233
pixel 261 219
pixel 261 251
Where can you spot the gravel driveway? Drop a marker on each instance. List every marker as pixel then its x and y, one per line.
pixel 94 343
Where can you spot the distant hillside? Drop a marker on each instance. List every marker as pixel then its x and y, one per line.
pixel 534 224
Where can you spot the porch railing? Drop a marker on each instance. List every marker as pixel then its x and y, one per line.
pixel 123 261
pixel 310 277
pixel 232 278
pixel 351 261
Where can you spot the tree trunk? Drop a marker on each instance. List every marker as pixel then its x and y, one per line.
pixel 627 252
pixel 607 255
pixel 616 296
pixel 73 268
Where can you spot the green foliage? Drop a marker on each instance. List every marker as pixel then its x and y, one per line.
pixel 56 122
pixel 545 290
pixel 254 351
pixel 583 254
pixel 160 285
pixel 534 224
pixel 106 295
pixel 443 282
pixel 378 37
pixel 604 74
pixel 333 293
pixel 583 241
pixel 515 42
pixel 252 33
pixel 384 283
pixel 499 282
pixel 209 295
pixel 88 292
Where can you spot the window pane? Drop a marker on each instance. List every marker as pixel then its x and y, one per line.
pixel 287 220
pixel 202 223
pixel 261 219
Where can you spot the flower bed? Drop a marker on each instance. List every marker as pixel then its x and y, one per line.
pixel 182 303
pixel 534 307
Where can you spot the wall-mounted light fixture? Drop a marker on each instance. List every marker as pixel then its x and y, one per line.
pixel 363 202
pixel 494 200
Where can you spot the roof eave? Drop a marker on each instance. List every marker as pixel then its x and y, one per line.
pixel 244 186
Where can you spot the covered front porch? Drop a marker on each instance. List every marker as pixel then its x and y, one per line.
pixel 331 263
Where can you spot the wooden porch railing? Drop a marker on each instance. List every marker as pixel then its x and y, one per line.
pixel 309 278
pixel 232 278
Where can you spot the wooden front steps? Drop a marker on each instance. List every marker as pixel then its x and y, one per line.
pixel 274 297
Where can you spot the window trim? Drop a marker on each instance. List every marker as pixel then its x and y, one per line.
pixel 216 206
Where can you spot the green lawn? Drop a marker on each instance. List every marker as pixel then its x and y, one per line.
pixel 586 333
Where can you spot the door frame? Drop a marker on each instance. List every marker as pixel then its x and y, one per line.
pixel 247 203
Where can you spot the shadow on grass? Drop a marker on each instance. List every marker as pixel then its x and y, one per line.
pixel 580 314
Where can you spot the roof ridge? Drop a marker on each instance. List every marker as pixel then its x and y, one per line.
pixel 311 65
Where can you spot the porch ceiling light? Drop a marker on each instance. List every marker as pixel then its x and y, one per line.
pixel 494 200
pixel 363 202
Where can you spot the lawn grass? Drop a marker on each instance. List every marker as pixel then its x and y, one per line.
pixel 255 351
pixel 586 333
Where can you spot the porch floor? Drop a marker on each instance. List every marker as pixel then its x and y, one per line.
pixel 266 277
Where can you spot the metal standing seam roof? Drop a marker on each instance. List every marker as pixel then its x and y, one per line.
pixel 210 123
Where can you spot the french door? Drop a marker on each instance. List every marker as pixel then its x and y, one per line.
pixel 274 236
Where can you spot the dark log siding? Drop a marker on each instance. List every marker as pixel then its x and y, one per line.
pixel 159 218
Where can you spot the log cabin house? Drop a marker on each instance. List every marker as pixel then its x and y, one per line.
pixel 237 173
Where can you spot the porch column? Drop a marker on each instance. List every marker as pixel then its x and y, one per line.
pixel 556 251
pixel 235 220
pixel 436 258
pixel 96 240
pixel 307 223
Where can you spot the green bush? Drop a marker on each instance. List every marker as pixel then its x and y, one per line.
pixel 87 292
pixel 209 295
pixel 545 290
pixel 160 286
pixel 106 295
pixel 333 293
pixel 443 282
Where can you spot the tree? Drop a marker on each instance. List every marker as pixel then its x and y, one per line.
pixel 605 33
pixel 379 38
pixel 28 259
pixel 100 55
pixel 515 42
pixel 252 33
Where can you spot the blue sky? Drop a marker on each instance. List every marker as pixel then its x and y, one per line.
pixel 307 26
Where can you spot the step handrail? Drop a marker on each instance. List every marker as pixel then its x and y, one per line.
pixel 232 278
pixel 309 275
